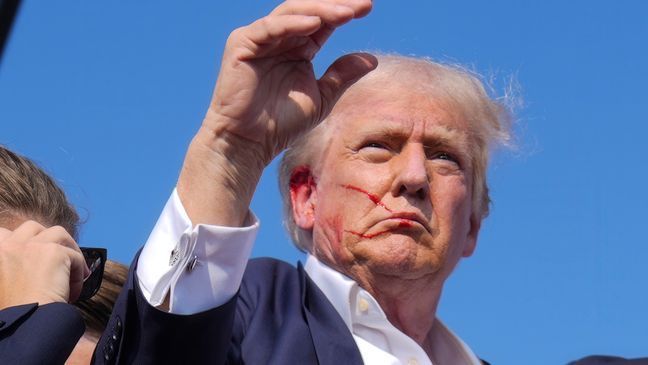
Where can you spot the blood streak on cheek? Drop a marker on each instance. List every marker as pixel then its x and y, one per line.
pixel 375 199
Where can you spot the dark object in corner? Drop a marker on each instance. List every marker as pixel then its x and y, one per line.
pixel 8 10
pixel 609 360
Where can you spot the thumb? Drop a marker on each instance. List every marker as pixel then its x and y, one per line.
pixel 344 72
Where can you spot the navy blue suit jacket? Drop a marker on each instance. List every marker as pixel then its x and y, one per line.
pixel 279 316
pixel 32 334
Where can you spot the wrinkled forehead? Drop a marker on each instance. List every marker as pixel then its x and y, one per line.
pixel 387 105
pixel 396 110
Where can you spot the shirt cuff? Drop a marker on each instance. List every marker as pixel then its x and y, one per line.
pixel 200 267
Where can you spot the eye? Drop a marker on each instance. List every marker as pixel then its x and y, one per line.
pixel 375 145
pixel 445 156
pixel 445 163
pixel 375 151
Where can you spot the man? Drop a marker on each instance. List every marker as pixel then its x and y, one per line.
pixel 386 195
pixel 41 266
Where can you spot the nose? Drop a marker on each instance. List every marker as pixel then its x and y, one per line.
pixel 411 174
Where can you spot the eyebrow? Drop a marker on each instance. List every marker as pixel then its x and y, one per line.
pixel 451 137
pixel 436 135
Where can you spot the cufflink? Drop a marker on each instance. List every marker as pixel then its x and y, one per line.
pixel 192 263
pixel 175 256
pixel 181 250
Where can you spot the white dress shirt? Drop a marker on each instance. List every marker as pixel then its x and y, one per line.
pixel 202 267
pixel 381 343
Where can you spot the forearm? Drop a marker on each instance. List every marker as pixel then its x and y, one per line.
pixel 219 176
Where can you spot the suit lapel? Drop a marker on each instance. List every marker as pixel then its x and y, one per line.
pixel 333 342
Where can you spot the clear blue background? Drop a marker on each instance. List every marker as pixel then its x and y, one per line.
pixel 107 94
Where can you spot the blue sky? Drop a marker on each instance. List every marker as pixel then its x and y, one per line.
pixel 106 96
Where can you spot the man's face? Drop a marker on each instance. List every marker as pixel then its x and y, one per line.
pixel 393 193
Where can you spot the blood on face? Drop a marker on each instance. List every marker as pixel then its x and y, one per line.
pixel 401 224
pixel 301 176
pixel 376 200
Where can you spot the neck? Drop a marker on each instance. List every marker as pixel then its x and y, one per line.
pixel 410 304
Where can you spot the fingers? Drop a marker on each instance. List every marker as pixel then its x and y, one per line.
pixel 42 264
pixel 78 272
pixel 299 18
pixel 31 231
pixel 36 232
pixel 270 29
pixel 39 272
pixel 359 8
pixel 340 75
pixel 26 231
pixel 67 270
pixel 4 233
pixel 57 234
pixel 334 13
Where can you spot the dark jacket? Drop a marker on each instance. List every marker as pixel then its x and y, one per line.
pixel 33 334
pixel 609 360
pixel 279 316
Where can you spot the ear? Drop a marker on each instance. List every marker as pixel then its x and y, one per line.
pixel 473 233
pixel 303 196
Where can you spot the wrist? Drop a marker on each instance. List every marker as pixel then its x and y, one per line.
pixel 219 177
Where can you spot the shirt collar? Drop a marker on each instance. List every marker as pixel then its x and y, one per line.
pixel 336 286
pixel 344 293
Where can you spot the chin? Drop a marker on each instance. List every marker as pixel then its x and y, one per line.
pixel 397 256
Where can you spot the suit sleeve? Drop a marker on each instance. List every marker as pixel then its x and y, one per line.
pixel 138 333
pixel 32 334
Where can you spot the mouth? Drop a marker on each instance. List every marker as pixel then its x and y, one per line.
pixel 407 219
pixel 397 221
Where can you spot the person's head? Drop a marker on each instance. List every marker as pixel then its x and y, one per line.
pixel 395 178
pixel 96 311
pixel 28 193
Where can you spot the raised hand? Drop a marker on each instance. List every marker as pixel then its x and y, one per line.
pixel 39 265
pixel 267 92
pixel 266 95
